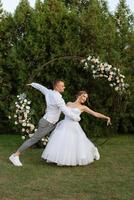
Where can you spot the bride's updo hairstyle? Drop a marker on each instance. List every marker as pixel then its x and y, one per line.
pixel 79 93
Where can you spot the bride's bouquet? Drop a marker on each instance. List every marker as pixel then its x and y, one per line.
pixel 21 117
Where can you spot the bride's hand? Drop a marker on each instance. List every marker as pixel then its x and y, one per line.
pixel 109 121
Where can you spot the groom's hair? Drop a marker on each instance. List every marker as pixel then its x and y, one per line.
pixel 55 82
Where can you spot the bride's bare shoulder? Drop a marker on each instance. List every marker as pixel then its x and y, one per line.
pixel 84 108
pixel 69 103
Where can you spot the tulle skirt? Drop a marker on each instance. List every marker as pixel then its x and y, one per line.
pixel 69 146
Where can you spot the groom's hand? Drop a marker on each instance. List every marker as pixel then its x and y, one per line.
pixel 28 84
pixel 77 119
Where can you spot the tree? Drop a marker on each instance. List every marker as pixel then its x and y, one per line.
pixel 5 46
pixel 48 42
pixel 124 39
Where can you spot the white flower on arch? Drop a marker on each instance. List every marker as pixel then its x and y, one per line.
pixel 112 74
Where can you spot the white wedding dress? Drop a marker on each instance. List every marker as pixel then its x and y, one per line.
pixel 68 144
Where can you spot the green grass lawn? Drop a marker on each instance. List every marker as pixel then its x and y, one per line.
pixel 110 178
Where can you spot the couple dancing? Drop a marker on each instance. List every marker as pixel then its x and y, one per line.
pixel 68 145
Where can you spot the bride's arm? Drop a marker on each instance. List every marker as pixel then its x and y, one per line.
pixel 96 114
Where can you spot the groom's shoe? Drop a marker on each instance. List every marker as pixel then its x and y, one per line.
pixel 15 160
pixel 97 155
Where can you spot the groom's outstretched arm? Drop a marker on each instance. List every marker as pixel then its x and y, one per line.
pixel 39 87
pixel 62 106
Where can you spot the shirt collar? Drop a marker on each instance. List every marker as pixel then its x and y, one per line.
pixel 57 93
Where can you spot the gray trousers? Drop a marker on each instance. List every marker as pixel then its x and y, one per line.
pixel 44 128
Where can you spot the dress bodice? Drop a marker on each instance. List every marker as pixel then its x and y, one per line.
pixel 75 111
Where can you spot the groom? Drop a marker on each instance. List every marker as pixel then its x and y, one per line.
pixel 55 105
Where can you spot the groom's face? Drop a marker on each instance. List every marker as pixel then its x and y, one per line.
pixel 60 86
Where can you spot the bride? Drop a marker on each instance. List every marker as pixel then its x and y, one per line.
pixel 68 144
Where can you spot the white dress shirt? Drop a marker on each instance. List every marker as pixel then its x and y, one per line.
pixel 55 104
